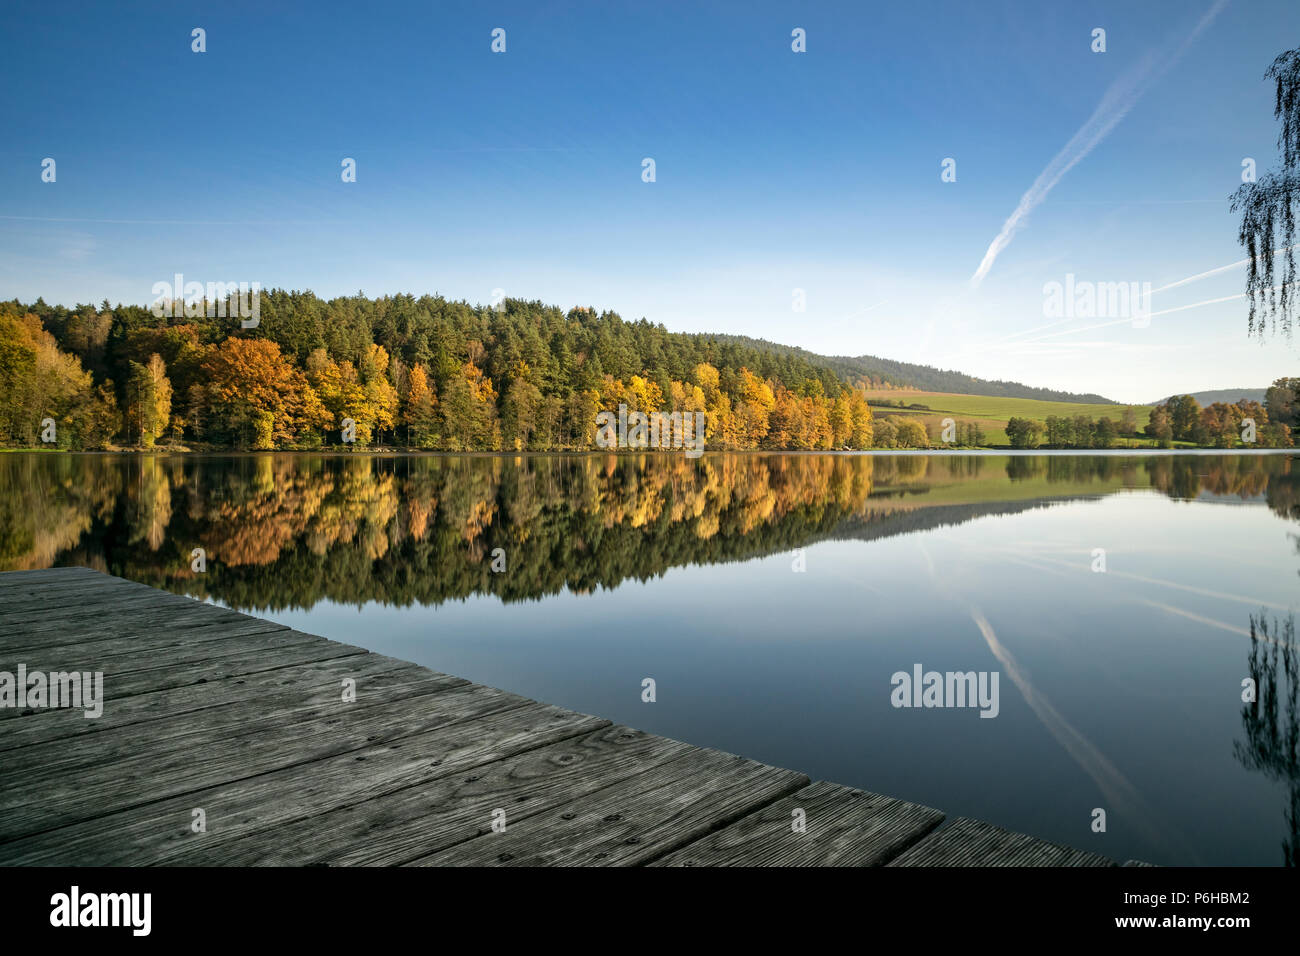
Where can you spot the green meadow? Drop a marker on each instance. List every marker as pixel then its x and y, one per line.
pixel 992 412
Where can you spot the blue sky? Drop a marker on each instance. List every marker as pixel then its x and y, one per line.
pixel 775 170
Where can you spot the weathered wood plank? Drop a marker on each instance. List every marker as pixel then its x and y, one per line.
pixel 73 625
pixel 123 636
pixel 52 799
pixel 278 711
pixel 84 601
pixel 57 569
pixel 449 808
pixel 175 652
pixel 126 632
pixel 217 667
pixel 93 614
pixel 128 673
pixel 26 601
pixel 46 576
pixel 634 820
pixel 316 682
pixel 843 827
pixel 86 582
pixel 265 809
pixel 967 842
pixel 199 672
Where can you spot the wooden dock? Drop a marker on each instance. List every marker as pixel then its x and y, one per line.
pixel 214 717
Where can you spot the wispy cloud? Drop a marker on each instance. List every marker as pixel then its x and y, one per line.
pixel 1119 98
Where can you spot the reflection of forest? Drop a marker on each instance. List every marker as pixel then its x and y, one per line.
pixel 285 530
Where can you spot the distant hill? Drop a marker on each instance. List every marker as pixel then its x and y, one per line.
pixel 923 377
pixel 1226 395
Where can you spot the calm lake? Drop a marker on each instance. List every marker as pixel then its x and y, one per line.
pixel 1120 599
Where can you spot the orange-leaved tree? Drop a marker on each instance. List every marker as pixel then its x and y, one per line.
pixel 257 398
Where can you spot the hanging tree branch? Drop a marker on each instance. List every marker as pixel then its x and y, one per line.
pixel 1268 210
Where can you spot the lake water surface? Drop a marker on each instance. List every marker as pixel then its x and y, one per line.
pixel 772 597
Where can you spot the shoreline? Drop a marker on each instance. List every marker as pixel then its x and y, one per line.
pixel 336 452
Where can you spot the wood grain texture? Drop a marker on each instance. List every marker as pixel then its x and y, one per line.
pixel 111 622
pixel 842 827
pixel 126 777
pixel 635 820
pixel 450 807
pixel 216 667
pixel 98 638
pixel 271 818
pixel 46 578
pixel 280 709
pixel 966 842
pixel 149 649
pixel 312 683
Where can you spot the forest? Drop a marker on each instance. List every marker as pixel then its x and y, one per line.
pixel 412 372
pixel 429 373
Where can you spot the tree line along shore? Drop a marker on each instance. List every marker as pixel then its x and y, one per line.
pixel 428 373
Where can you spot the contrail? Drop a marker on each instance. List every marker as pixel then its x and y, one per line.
pixel 1208 621
pixel 1163 288
pixel 863 311
pixel 1119 98
pixel 1214 272
pixel 1129 321
pixel 1110 780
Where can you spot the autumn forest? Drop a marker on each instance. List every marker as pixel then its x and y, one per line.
pixel 428 373
pixel 419 373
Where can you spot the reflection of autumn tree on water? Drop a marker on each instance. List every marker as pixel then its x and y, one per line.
pixel 151 496
pixel 290 530
pixel 49 505
pixel 280 528
pixel 1271 722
